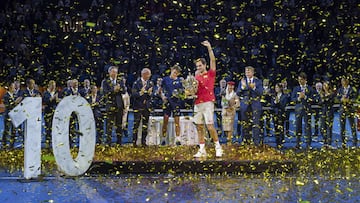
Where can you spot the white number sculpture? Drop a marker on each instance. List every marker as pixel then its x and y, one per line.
pixel 60 135
pixel 29 110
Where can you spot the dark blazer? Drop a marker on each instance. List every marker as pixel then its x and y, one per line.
pixel 279 108
pixel 328 100
pixel 250 97
pixel 69 91
pixel 26 93
pixel 84 92
pixel 50 105
pixel 327 108
pixel 113 99
pixel 96 107
pixel 141 101
pixel 9 102
pixel 317 98
pixel 303 104
pixel 351 95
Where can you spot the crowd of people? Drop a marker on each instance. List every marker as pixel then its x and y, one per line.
pixel 254 100
pixel 64 40
pixel 77 39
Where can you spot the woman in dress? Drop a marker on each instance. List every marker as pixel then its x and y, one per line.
pixel 229 102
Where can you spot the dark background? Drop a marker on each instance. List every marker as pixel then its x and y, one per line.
pixel 278 38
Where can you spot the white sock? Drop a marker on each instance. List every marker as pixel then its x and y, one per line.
pixel 217 145
pixel 202 147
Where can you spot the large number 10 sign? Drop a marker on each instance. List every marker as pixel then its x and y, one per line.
pixel 29 113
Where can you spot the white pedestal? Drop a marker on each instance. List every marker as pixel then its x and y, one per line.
pixel 188 133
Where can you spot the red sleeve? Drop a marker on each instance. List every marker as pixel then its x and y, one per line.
pixel 211 73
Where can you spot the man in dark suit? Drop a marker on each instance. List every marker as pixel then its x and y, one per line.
pixel 50 99
pixel 347 96
pixel 95 101
pixel 113 88
pixel 10 101
pixel 73 89
pixel 286 91
pixel 317 111
pixel 250 89
pixel 86 89
pixel 219 93
pixel 141 92
pixel 30 90
pixel 65 92
pixel 302 96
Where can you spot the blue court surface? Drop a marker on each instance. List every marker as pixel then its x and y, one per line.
pixel 181 188
pixel 185 188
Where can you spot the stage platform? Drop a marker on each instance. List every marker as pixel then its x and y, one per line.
pixel 191 166
pixel 126 159
pixel 237 159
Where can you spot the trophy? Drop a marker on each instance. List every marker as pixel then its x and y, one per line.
pixel 190 85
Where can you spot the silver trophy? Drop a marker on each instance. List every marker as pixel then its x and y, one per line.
pixel 190 85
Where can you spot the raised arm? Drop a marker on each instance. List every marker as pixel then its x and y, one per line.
pixel 211 55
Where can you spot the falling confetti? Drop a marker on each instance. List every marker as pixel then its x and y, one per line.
pixel 278 38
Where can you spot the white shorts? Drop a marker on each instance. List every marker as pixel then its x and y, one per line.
pixel 204 111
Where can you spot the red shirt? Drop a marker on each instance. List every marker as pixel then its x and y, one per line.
pixel 205 91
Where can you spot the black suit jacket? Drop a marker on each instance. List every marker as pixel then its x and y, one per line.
pixel 95 106
pixel 69 91
pixel 141 101
pixel 351 95
pixel 251 97
pixel 26 93
pixel 113 99
pixel 305 103
pixel 9 102
pixel 50 105
pixel 84 92
pixel 279 108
